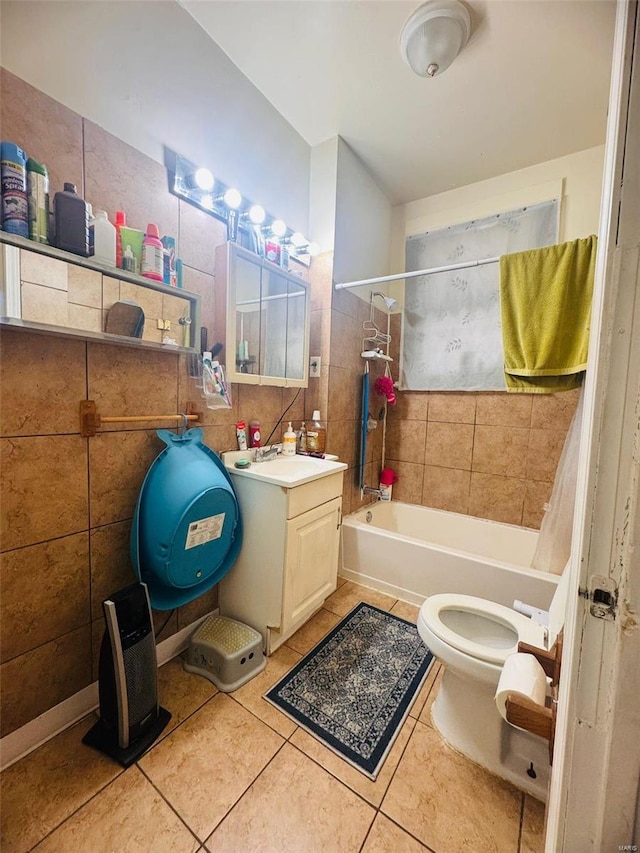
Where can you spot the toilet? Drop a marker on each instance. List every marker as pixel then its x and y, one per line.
pixel 473 637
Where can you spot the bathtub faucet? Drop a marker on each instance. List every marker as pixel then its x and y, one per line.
pixel 369 490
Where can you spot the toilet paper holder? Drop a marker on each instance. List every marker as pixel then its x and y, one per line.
pixel 526 714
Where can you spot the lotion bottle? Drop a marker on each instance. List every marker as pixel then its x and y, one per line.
pixel 289 442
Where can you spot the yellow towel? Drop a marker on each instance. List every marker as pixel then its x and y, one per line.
pixel 545 304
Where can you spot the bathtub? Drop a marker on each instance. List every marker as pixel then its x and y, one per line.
pixel 412 552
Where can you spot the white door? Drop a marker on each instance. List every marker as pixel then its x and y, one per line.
pixel 594 784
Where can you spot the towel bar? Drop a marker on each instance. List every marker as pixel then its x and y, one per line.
pixel 91 420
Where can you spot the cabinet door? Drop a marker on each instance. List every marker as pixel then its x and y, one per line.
pixel 311 561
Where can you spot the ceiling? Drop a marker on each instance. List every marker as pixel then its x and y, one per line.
pixel 531 84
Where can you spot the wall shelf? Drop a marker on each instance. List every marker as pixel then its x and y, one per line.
pixel 181 307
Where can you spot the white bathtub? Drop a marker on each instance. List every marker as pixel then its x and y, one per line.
pixel 412 552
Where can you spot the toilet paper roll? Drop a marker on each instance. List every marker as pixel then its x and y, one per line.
pixel 521 675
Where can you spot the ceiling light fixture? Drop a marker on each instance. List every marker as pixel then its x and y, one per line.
pixel 434 35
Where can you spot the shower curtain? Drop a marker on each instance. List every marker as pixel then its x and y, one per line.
pixel 451 332
pixel 554 541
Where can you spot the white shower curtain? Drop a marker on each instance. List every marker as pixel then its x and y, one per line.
pixel 451 333
pixel 554 541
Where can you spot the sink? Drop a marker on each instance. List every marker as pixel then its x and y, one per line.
pixel 287 471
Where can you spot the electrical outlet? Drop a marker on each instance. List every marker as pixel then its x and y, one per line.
pixel 314 366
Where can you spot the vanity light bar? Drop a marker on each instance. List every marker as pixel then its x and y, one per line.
pixel 200 187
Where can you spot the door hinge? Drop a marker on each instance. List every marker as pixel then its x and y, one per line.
pixel 603 595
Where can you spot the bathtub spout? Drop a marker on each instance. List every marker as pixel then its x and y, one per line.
pixel 368 490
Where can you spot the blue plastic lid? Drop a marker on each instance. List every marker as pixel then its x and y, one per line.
pixel 187 529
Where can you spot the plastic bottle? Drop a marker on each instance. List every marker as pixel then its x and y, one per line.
pixel 272 250
pixel 152 254
pixel 13 175
pixel 284 256
pixel 38 201
pixel 92 222
pixel 241 435
pixel 316 434
pixel 71 214
pixel 121 222
pixel 289 442
pixel 128 258
pixel 302 439
pixel 104 240
pixel 254 434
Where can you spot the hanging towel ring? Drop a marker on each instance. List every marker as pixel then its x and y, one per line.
pixel 182 428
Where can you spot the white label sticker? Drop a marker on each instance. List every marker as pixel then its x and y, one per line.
pixel 204 530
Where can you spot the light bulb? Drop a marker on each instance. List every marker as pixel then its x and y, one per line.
pixel 204 179
pixel 298 239
pixel 279 227
pixel 257 214
pixel 232 198
pixel 207 202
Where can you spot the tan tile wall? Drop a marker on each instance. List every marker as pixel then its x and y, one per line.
pixel 492 455
pixel 67 501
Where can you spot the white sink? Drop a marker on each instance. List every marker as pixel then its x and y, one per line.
pixel 287 471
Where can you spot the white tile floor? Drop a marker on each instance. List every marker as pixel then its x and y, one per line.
pixel 231 773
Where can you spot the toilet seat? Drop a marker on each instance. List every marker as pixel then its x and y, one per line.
pixel 523 628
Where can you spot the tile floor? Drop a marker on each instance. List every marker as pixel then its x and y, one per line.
pixel 231 773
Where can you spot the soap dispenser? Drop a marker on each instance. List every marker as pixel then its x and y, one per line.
pixel 289 442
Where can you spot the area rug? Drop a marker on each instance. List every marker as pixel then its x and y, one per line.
pixel 354 689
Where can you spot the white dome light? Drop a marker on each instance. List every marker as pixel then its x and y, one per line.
pixel 434 35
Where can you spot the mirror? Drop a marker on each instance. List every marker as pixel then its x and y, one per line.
pixel 248 316
pixel 268 317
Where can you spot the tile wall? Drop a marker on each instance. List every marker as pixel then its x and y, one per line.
pixel 492 455
pixel 67 501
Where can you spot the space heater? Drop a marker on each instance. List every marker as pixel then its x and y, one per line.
pixel 130 716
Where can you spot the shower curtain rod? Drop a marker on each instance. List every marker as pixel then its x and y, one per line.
pixel 412 274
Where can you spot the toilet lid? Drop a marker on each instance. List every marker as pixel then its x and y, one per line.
pixel 480 628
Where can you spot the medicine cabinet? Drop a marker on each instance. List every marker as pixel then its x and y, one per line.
pixel 47 290
pixel 267 311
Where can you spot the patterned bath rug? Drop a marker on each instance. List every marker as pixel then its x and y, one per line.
pixel 354 689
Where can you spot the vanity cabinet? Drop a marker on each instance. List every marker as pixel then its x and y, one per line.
pixel 266 314
pixel 47 290
pixel 288 564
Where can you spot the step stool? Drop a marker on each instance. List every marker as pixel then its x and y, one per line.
pixel 227 652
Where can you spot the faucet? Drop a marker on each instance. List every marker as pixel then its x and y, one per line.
pixel 369 490
pixel 265 454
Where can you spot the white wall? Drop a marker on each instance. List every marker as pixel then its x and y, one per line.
pixel 577 178
pixel 322 215
pixel 146 72
pixel 363 221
